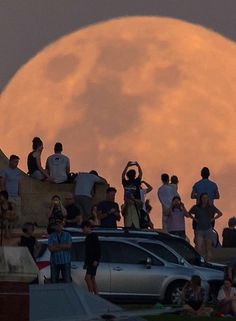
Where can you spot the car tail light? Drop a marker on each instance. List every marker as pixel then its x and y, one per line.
pixel 42 264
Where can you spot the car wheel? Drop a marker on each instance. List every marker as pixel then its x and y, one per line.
pixel 174 291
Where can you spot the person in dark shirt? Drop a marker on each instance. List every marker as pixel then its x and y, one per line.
pixel 229 234
pixel 108 210
pixel 92 256
pixel 74 217
pixel 204 213
pixel 28 240
pixel 133 183
pixel 132 198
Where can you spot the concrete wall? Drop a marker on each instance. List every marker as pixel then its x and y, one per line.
pixel 36 195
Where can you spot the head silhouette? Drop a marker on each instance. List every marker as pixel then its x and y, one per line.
pixel 205 173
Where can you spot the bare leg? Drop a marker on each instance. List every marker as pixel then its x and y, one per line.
pixel 208 246
pixel 234 306
pixel 95 287
pixel 200 246
pixel 89 282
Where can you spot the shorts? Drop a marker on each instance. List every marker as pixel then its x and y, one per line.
pixel 203 234
pixel 91 270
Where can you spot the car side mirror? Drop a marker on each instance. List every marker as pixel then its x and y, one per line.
pixel 181 261
pixel 148 263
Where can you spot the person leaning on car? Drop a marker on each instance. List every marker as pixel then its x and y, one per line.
pixel 59 244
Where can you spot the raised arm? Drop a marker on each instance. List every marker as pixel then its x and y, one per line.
pixel 125 171
pixel 140 172
pixel 149 187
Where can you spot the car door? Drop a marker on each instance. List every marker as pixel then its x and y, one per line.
pixel 130 275
pixel 103 276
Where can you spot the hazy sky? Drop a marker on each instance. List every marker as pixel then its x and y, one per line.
pixel 26 26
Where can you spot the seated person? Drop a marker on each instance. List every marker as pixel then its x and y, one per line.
pixel 227 298
pixel 230 270
pixel 29 241
pixel 94 220
pixel 194 298
pixel 56 211
pixel 229 234
pixel 7 214
pixel 35 168
pixel 108 210
pixel 58 165
pixel 74 217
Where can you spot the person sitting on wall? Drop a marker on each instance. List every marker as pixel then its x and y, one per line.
pixel 58 165
pixel 35 168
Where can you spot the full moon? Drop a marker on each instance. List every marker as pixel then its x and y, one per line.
pixel 157 90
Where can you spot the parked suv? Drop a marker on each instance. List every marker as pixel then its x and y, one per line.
pixel 127 271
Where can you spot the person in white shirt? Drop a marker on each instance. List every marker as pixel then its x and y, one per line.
pixel 165 194
pixel 84 188
pixel 58 165
pixel 227 298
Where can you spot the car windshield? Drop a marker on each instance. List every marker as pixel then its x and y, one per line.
pixel 184 249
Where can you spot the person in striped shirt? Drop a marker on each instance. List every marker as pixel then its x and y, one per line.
pixel 59 244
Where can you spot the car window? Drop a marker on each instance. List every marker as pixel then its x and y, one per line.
pixel 120 252
pixel 160 251
pixel 184 249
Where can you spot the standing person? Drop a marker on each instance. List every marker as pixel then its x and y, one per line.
pixel 130 182
pixel 145 188
pixel 176 222
pixel 35 168
pixel 174 181
pixel 84 187
pixel 59 244
pixel 108 210
pixel 92 256
pixel 148 208
pixel 165 194
pixel 11 182
pixel 73 217
pixel 205 186
pixel 132 198
pixel 227 298
pixel 58 165
pixel 204 214
pixel 7 215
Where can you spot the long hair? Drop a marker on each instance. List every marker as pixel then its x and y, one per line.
pixel 208 205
